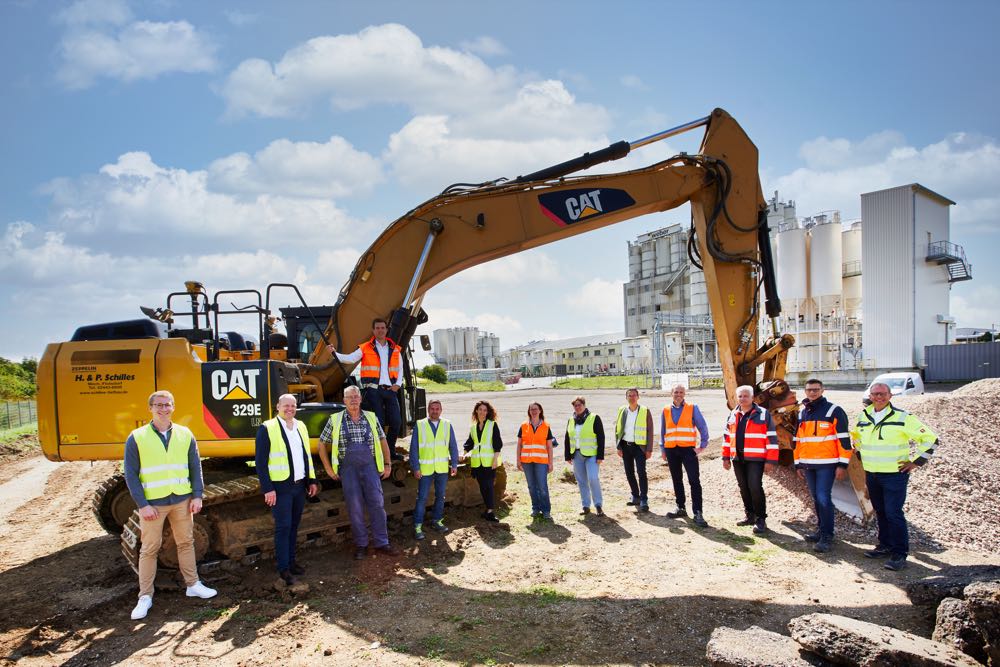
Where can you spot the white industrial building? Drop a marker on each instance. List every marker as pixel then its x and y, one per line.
pixel 857 296
pixel 463 348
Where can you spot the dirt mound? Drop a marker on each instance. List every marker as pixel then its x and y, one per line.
pixel 988 388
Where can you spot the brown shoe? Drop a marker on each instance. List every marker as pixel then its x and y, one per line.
pixel 387 550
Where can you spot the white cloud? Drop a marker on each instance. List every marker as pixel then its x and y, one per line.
pixel 530 267
pixel 599 304
pixel 979 308
pixel 485 45
pixel 385 64
pixel 633 81
pixel 299 169
pixel 962 167
pixel 101 42
pixel 134 202
pixel 239 18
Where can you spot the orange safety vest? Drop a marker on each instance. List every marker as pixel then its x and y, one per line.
pixel 533 449
pixel 683 433
pixel 760 443
pixel 371 362
pixel 818 443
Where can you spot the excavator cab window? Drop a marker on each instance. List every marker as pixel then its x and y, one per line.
pixel 309 339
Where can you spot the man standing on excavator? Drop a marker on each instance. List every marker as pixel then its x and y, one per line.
pixel 381 375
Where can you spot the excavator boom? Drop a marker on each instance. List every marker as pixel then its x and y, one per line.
pixel 468 225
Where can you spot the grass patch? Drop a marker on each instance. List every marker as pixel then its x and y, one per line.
pixel 21 438
pixel 208 614
pixel 756 557
pixel 546 595
pixel 459 386
pixel 604 382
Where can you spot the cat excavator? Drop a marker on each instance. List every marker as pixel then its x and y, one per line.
pixel 93 389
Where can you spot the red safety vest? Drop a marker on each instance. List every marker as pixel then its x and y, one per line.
pixel 371 362
pixel 760 443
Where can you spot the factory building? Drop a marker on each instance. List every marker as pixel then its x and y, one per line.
pixel 583 355
pixel 464 348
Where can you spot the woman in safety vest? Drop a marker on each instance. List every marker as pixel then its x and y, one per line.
pixel 483 453
pixel 534 458
pixel 585 450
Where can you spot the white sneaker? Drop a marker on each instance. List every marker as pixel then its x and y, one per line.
pixel 200 590
pixel 142 607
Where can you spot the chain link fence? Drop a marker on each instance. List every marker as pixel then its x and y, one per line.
pixel 15 414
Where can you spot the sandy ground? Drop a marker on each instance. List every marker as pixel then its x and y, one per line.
pixel 627 588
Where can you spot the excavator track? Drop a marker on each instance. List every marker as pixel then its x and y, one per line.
pixel 235 527
pixel 112 504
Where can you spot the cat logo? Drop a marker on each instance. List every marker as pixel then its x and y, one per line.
pixel 569 206
pixel 238 384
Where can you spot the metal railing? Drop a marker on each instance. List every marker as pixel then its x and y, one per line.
pixel 15 414
pixel 945 249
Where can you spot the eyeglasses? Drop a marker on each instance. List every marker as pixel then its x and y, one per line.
pixel 878 393
pixel 814 388
pixel 162 406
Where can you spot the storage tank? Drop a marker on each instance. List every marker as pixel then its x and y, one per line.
pixel 790 260
pixel 851 242
pixel 471 353
pixel 826 259
pixel 442 346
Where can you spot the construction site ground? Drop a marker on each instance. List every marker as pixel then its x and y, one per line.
pixel 626 588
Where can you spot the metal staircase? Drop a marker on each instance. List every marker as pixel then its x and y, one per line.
pixel 952 256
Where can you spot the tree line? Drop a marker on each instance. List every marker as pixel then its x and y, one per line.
pixel 17 379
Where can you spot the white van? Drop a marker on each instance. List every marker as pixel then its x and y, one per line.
pixel 900 384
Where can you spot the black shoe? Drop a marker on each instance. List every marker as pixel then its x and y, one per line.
pixel 360 553
pixel 297 570
pixel 760 527
pixel 878 552
pixel 699 520
pixel 439 527
pixel 644 507
pixel 599 509
pixel 633 502
pixel 585 510
pixel 677 513
pixel 895 563
pixel 491 517
pixel 813 537
pixel 748 521
pixel 286 576
pixel 823 544
pixel 387 550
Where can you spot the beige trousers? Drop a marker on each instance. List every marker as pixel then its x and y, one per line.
pixel 182 527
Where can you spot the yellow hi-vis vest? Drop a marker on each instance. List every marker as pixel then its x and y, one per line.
pixel 337 420
pixel 163 470
pixel 482 450
pixel 586 439
pixel 433 448
pixel 278 466
pixel 640 425
pixel 885 444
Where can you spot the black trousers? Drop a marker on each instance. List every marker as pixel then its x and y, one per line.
pixel 634 458
pixel 750 477
pixel 681 460
pixel 486 478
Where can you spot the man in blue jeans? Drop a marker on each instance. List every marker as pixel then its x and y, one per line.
pixel 882 435
pixel 433 457
pixel 822 452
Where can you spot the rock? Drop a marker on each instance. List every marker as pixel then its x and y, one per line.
pixel 756 647
pixel 299 588
pixel 847 641
pixel 983 600
pixel 955 627
pixel 950 582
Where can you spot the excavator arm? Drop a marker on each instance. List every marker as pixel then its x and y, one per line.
pixel 467 225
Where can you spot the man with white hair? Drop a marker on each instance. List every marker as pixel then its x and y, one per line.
pixel 286 473
pixel 882 436
pixel 750 449
pixel 359 458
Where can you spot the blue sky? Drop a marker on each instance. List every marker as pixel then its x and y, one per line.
pixel 238 143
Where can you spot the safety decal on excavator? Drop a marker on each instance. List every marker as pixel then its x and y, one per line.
pixel 566 207
pixel 234 396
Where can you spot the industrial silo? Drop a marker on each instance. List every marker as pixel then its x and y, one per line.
pixel 442 346
pixel 791 263
pixel 851 242
pixel 826 260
